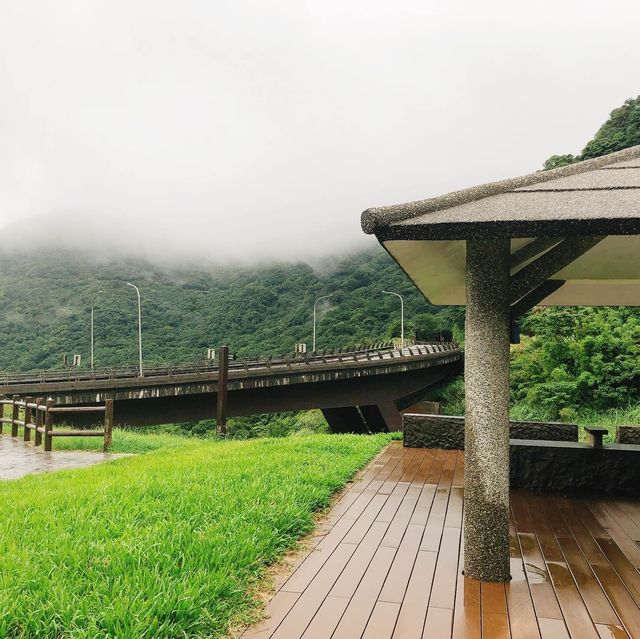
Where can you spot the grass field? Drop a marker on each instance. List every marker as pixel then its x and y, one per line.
pixel 162 545
pixel 125 441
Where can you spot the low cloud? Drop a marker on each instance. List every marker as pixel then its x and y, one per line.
pixel 243 130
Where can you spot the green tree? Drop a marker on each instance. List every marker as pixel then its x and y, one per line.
pixel 559 160
pixel 620 131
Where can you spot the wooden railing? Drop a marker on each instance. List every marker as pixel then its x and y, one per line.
pixel 38 416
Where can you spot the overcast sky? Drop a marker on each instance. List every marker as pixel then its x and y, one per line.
pixel 260 128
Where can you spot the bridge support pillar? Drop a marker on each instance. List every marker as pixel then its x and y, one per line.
pixel 391 415
pixel 382 418
pixel 345 420
pixel 373 418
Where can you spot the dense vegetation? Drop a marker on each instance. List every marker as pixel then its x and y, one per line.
pixel 579 361
pixel 620 131
pixel 163 545
pixel 574 364
pixel 260 310
pixel 577 358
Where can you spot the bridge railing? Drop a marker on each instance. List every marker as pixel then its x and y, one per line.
pixel 38 416
pixel 383 351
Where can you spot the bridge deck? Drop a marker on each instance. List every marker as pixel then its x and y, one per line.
pixel 389 564
pixel 36 381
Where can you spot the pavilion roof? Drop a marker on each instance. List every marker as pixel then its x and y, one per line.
pixel 598 197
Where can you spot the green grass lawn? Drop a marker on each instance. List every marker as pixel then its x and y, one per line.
pixel 162 545
pixel 126 441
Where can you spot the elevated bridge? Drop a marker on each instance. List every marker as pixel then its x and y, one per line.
pixel 356 391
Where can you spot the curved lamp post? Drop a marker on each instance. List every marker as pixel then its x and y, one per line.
pixel 324 297
pixel 93 301
pixel 139 325
pixel 401 315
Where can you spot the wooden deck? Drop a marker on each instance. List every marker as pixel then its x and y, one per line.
pixel 389 565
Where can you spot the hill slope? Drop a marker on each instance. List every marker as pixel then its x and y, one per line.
pixel 260 310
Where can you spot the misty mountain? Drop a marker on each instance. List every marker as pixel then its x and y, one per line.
pixel 263 309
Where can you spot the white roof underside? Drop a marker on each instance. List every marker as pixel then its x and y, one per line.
pixel 606 275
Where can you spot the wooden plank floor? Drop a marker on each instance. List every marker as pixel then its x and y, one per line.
pixel 389 566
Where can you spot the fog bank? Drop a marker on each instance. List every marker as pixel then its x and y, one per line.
pixel 244 130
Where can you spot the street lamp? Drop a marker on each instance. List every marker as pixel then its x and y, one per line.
pixel 324 297
pixel 139 325
pixel 401 315
pixel 93 301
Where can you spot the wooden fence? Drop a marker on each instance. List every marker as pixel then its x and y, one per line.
pixel 38 416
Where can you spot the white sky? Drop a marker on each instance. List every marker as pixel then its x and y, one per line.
pixel 245 128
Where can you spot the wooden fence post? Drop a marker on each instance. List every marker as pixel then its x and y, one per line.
pixel 108 425
pixel 27 418
pixel 48 425
pixel 15 413
pixel 37 438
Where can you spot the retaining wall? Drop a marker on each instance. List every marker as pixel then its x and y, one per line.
pixel 444 431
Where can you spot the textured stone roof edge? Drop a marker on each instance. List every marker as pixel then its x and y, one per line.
pixel 376 218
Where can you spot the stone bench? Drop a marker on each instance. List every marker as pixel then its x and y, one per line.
pixel 596 435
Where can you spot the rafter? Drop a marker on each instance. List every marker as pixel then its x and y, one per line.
pixel 550 263
pixel 534 298
pixel 533 249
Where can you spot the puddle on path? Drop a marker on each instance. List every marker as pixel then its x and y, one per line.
pixel 19 458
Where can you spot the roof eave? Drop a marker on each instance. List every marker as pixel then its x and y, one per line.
pixel 377 219
pixel 511 228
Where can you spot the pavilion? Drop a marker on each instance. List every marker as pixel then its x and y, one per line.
pixel 567 236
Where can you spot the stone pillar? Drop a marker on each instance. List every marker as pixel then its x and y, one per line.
pixel 486 374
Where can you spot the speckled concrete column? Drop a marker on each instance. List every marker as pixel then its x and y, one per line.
pixel 486 374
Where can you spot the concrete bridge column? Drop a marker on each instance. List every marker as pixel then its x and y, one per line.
pixel 486 373
pixel 373 418
pixel 346 419
pixel 391 415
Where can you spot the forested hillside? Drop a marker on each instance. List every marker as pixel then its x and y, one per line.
pixel 260 310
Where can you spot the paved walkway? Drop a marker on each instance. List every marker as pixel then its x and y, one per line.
pixel 19 458
pixel 389 565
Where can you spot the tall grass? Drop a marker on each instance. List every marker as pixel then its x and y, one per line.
pixel 125 441
pixel 163 545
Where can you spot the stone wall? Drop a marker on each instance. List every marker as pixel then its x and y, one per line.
pixel 628 435
pixel 444 431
